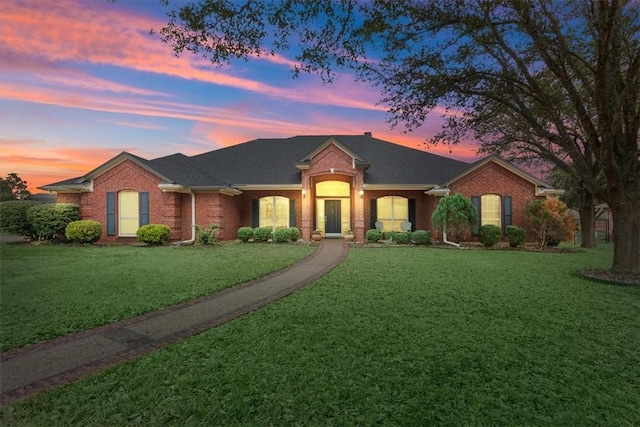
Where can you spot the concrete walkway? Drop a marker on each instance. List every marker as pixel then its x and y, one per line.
pixel 40 367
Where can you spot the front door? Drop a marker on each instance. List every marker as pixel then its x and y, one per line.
pixel 333 216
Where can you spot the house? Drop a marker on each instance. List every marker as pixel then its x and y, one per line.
pixel 332 183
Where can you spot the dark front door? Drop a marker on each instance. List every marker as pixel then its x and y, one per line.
pixel 333 217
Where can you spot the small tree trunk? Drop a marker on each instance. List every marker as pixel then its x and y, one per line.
pixel 626 237
pixel 587 219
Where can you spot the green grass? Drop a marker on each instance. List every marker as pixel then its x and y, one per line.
pixel 52 290
pixel 393 336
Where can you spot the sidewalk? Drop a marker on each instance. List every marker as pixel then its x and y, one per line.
pixel 40 367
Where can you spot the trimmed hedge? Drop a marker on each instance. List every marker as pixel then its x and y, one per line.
pixel 13 217
pixel 295 233
pixel 516 236
pixel 83 231
pixel 282 235
pixel 373 235
pixel 262 234
pixel 490 234
pixel 402 238
pixel 153 234
pixel 245 234
pixel 50 219
pixel 421 237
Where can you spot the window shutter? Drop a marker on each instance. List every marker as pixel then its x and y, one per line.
pixel 255 213
pixel 292 213
pixel 412 214
pixel 475 201
pixel 111 214
pixel 506 213
pixel 143 208
pixel 374 213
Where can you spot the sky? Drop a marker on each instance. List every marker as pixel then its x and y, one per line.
pixel 83 80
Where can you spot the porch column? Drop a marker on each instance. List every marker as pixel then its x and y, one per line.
pixel 307 206
pixel 358 206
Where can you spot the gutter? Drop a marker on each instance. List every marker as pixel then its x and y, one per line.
pixel 444 239
pixel 193 224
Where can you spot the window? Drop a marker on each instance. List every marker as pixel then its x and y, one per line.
pixel 128 204
pixel 274 212
pixel 132 212
pixel 490 210
pixel 392 211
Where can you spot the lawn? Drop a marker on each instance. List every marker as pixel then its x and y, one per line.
pixel 52 290
pixel 393 336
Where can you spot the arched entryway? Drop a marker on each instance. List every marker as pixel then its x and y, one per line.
pixel 333 207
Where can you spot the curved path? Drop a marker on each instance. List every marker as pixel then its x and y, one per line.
pixel 40 367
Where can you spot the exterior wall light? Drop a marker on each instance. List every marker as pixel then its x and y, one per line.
pixel 361 192
pixel 304 193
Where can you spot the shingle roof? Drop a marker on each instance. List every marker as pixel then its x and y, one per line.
pixel 274 161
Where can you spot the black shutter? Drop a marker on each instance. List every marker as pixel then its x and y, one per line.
pixel 143 208
pixel 111 214
pixel 374 213
pixel 412 214
pixel 475 201
pixel 292 212
pixel 506 213
pixel 255 213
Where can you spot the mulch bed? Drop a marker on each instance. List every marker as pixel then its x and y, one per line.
pixel 612 277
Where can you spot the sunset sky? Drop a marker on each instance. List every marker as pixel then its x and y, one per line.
pixel 83 80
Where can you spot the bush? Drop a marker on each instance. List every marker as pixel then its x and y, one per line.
pixel 262 234
pixel 208 236
pixel 245 233
pixel 83 231
pixel 153 234
pixel 490 234
pixel 13 218
pixel 402 238
pixel 373 235
pixel 421 237
pixel 50 219
pixel 282 234
pixel 551 221
pixel 516 236
pixel 455 214
pixel 388 235
pixel 295 233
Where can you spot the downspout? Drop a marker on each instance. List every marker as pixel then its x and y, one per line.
pixel 193 223
pixel 444 239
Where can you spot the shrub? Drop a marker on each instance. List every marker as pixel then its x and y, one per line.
pixel 262 234
pixel 50 219
pixel 490 234
pixel 373 235
pixel 388 235
pixel 153 234
pixel 13 217
pixel 83 231
pixel 421 237
pixel 245 233
pixel 282 234
pixel 550 220
pixel 454 215
pixel 516 235
pixel 295 233
pixel 402 238
pixel 208 236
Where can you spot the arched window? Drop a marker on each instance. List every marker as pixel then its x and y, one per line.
pixel 490 206
pixel 274 212
pixel 392 211
pixel 129 210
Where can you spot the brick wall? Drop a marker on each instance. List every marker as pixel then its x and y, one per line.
pixel 494 179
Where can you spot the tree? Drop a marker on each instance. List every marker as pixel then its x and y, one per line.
pixel 551 221
pixel 455 215
pixel 554 78
pixel 13 188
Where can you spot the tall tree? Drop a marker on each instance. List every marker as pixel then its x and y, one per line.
pixel 13 188
pixel 563 76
